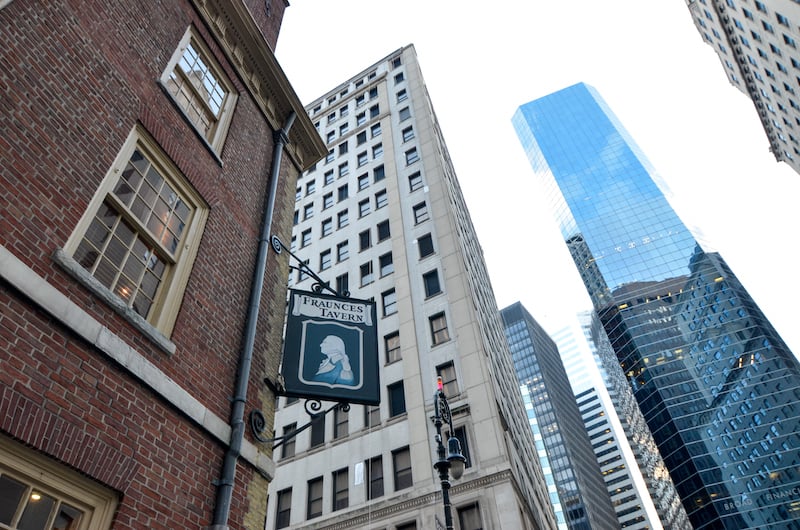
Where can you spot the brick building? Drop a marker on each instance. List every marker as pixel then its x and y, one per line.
pixel 145 147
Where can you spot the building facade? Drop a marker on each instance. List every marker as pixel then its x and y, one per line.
pixel 383 218
pixel 757 44
pixel 714 381
pixel 641 490
pixel 582 495
pixel 144 145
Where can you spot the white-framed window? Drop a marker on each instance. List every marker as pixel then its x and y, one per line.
pixel 200 89
pixel 40 493
pixel 140 233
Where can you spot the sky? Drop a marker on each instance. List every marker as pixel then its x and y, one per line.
pixel 482 60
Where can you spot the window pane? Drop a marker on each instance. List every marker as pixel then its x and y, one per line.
pixel 397 399
pixel 314 504
pixel 318 431
pixel 198 90
pixel 461 434
pixel 420 213
pixel 364 240
pixel 383 230
pixel 402 469
pixel 372 415
pixel 11 494
pixel 447 372
pixel 288 446
pixel 425 244
pixel 439 329
pixel 340 489
pixel 386 264
pixel 341 422
pixel 389 302
pixel 431 282
pixel 67 518
pixel 469 517
pixel 37 511
pixel 415 181
pixel 392 347
pixel 284 508
pixel 116 247
pixel 375 478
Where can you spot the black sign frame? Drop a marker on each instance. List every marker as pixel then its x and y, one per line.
pixel 330 351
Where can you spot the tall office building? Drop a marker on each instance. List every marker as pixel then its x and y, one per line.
pixel 641 490
pixel 383 217
pixel 581 492
pixel 715 382
pixel 757 44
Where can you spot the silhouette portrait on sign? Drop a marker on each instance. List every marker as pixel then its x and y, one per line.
pixel 335 366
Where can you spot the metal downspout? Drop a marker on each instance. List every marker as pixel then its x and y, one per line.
pixel 225 484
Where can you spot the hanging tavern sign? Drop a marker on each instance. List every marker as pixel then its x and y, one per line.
pixel 331 349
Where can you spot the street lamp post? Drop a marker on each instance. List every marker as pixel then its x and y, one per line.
pixel 451 462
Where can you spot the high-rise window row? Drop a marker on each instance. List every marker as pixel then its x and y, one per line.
pixel 757 44
pixel 369 226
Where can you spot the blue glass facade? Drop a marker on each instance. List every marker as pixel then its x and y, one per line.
pixel 716 384
pixel 581 493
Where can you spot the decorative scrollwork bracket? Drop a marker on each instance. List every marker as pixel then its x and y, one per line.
pixel 313 408
pixel 319 284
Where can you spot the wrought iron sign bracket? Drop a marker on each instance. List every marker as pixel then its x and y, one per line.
pixel 319 284
pixel 313 408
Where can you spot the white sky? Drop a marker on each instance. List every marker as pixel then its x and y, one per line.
pixel 482 60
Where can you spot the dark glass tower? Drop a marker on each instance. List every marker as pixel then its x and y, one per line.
pixel 716 384
pixel 576 473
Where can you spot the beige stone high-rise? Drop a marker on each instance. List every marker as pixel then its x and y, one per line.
pixel 758 44
pixel 383 217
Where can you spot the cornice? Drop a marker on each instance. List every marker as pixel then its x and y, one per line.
pixel 250 55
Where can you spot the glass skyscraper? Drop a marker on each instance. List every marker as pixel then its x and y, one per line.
pixel 716 384
pixel 581 500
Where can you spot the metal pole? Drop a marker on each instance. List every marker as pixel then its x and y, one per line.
pixel 442 465
pixel 225 484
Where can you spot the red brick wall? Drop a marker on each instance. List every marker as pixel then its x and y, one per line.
pixel 269 20
pixel 76 76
